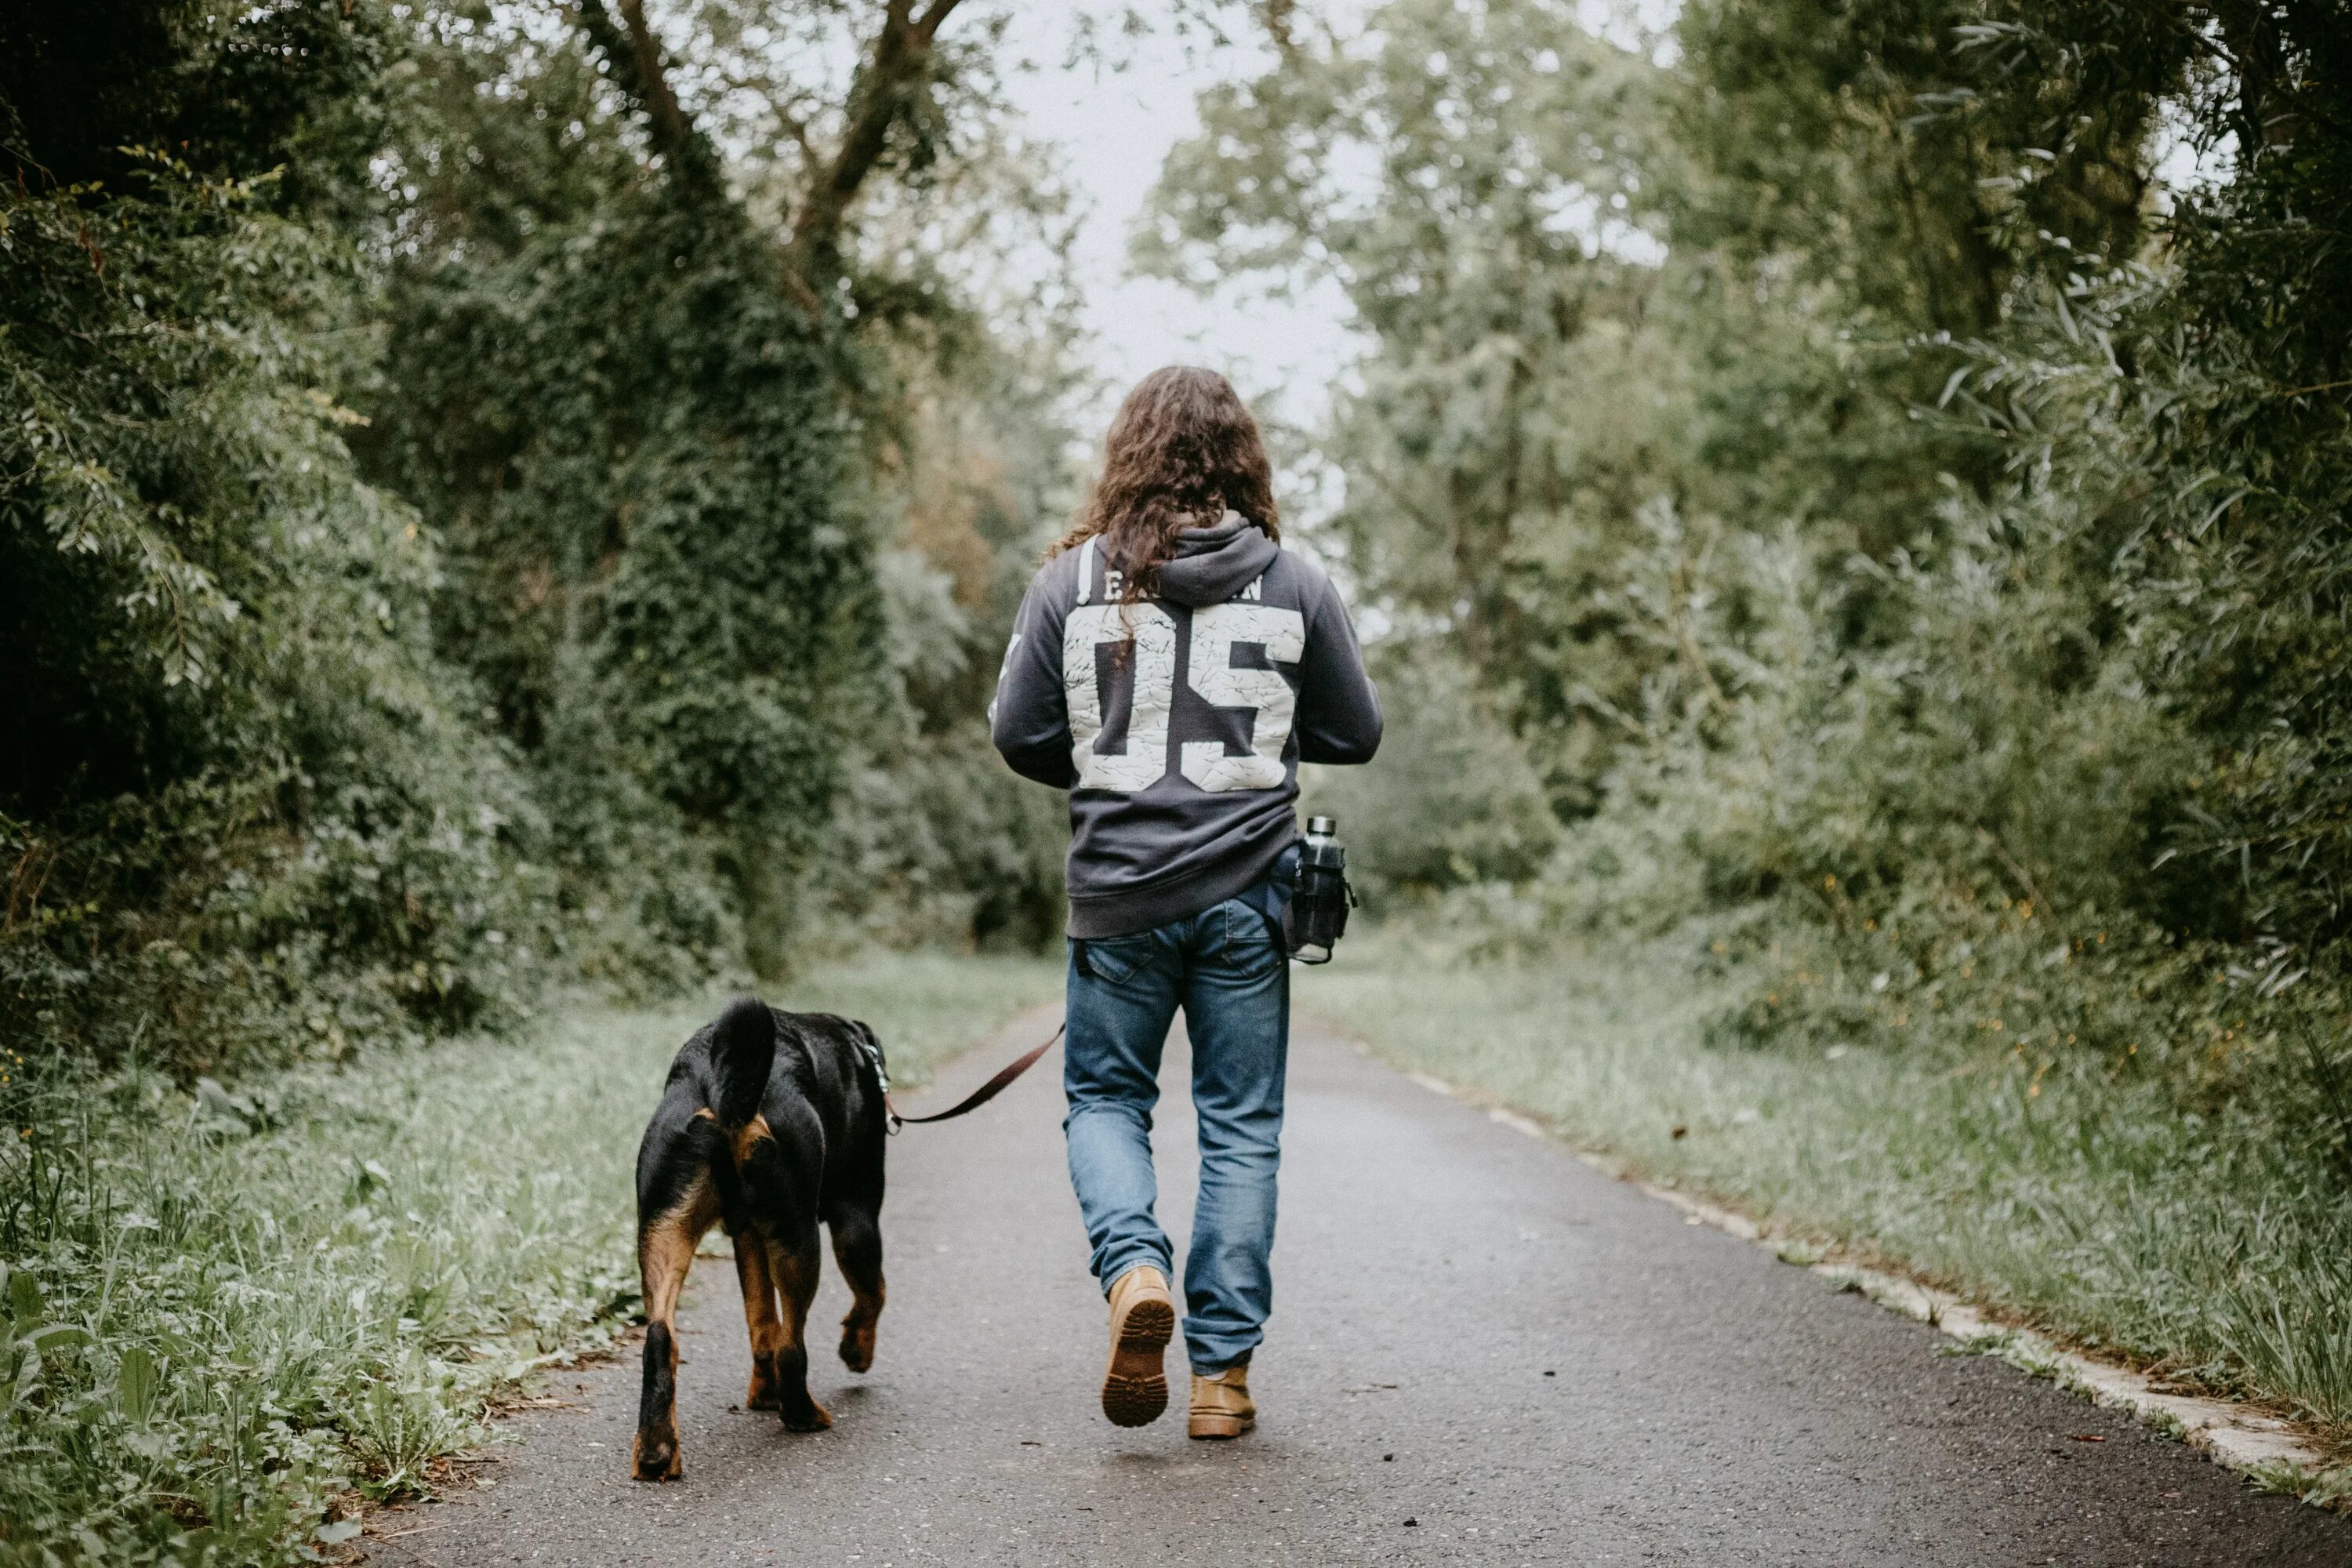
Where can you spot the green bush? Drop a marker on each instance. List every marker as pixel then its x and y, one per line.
pixel 245 810
pixel 1454 799
pixel 631 439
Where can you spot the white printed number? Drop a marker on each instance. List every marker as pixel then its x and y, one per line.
pixel 1088 628
pixel 1215 630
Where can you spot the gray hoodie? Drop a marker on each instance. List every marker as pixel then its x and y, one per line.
pixel 1178 724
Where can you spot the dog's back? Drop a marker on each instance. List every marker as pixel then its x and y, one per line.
pixel 770 1124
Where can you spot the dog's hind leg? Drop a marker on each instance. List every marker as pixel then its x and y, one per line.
pixel 666 1244
pixel 767 1328
pixel 857 1247
pixel 795 1261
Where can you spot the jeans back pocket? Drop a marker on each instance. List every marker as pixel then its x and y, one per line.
pixel 1112 958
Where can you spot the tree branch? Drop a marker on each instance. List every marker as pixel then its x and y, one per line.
pixel 635 60
pixel 929 27
pixel 2256 49
pixel 1278 16
pixel 670 129
pixel 900 63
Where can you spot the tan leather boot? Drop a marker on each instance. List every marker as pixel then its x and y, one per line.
pixel 1222 1406
pixel 1142 1321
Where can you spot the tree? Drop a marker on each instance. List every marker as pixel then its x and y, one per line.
pixel 632 407
pixel 243 802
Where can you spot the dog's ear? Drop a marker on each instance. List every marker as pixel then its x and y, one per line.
pixel 742 1051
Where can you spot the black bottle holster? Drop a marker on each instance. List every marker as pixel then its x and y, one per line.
pixel 1270 897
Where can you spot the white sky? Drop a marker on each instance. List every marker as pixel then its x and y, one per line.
pixel 1114 129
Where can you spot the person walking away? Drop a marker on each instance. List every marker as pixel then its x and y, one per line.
pixel 1171 667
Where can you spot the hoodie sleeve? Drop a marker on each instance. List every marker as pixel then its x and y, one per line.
pixel 1030 718
pixel 1339 709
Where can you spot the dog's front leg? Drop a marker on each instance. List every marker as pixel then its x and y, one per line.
pixel 857 1247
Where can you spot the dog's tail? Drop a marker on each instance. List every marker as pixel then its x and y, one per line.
pixel 742 1050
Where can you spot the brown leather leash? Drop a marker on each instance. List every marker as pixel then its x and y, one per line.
pixel 978 1097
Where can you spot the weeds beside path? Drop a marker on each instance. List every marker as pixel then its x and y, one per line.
pixel 220 1311
pixel 2103 1212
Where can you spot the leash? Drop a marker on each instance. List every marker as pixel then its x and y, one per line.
pixel 970 1103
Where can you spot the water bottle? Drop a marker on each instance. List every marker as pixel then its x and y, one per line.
pixel 1320 896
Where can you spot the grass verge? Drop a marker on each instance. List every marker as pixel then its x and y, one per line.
pixel 221 1311
pixel 2101 1211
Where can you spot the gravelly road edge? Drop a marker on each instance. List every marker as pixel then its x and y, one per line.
pixel 2261 1446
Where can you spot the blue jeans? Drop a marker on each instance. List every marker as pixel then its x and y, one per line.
pixel 1225 969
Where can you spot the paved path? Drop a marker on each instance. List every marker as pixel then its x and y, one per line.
pixel 1483 1352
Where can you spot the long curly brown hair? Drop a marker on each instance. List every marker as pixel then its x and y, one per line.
pixel 1181 452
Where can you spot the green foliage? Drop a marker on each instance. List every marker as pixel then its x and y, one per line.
pixel 968 369
pixel 1454 169
pixel 1916 572
pixel 242 807
pixel 631 437
pixel 628 436
pixel 92 90
pixel 277 1294
pixel 1454 801
pixel 2102 688
pixel 666 471
pixel 245 810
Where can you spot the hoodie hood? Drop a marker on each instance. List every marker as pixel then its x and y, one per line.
pixel 1212 564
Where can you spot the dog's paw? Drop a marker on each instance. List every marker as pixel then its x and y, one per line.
pixel 814 1418
pixel 655 1456
pixel 767 1389
pixel 857 1347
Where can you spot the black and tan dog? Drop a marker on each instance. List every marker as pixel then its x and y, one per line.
pixel 771 1123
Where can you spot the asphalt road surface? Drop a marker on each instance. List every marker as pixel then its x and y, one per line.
pixel 1483 1352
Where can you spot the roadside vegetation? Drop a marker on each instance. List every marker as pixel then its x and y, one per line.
pixel 224 1312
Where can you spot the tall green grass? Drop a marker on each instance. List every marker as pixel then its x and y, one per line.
pixel 219 1310
pixel 2200 1244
